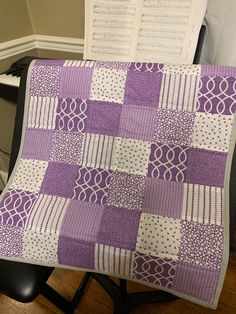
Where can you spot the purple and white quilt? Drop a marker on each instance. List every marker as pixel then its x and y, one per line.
pixel 124 170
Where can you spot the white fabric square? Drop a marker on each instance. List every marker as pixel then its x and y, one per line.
pixel 158 236
pixel 29 175
pixel 42 112
pixel 212 131
pixel 114 260
pixel 98 151
pixel 40 247
pixel 108 85
pixel 202 204
pixel 47 214
pixel 131 156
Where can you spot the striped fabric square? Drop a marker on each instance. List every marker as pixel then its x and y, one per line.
pixel 163 198
pixel 137 122
pixel 82 221
pixel 110 259
pixel 196 282
pixel 49 218
pixel 42 112
pixel 202 204
pixel 76 82
pixel 98 151
pixel 37 144
pixel 179 90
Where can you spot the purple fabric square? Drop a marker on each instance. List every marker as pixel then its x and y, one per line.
pixel 146 67
pixel 174 127
pixel 76 82
pixel 50 62
pixel 71 115
pixel 163 198
pixel 11 241
pixel 59 179
pixel 37 144
pixel 142 88
pixel 206 167
pixel 217 95
pixel 119 227
pixel 126 190
pixel 137 122
pixel 92 185
pixel 45 81
pixel 16 206
pixel 195 281
pixel 103 117
pixel 201 245
pixel 76 253
pixel 82 221
pixel 155 270
pixel 168 162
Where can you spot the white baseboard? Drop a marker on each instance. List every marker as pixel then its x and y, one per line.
pixel 23 44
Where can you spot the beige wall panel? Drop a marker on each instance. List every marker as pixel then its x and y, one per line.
pixel 57 17
pixel 14 20
pixel 59 55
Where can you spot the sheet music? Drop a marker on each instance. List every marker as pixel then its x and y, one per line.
pixel 143 30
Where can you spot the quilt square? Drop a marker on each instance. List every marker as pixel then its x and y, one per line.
pixel 103 118
pixel 159 236
pixel 103 146
pixel 195 281
pixel 92 185
pixel 40 247
pixel 126 190
pixel 11 241
pixel 82 221
pixel 45 80
pixel 108 85
pixel 37 144
pixel 143 88
pixel 76 253
pixel 113 260
pixel 29 175
pixel 42 112
pixel 47 214
pixel 212 131
pixel 76 82
pixel 206 167
pixel 155 270
pixel 203 204
pixel 217 94
pixel 130 156
pixel 149 67
pixel 179 90
pixel 71 115
pixel 59 180
pixel 15 207
pixel 137 122
pixel 163 198
pixel 119 227
pixel 201 245
pixel 67 147
pixel 168 162
pixel 174 127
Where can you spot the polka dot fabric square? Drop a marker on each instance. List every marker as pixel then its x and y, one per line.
pixel 130 156
pixel 108 85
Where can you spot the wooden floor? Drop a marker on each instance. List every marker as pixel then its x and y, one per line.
pixel 96 300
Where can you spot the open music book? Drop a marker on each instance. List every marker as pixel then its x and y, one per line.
pixel 143 30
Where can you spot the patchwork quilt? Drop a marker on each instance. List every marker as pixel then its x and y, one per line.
pixel 124 170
